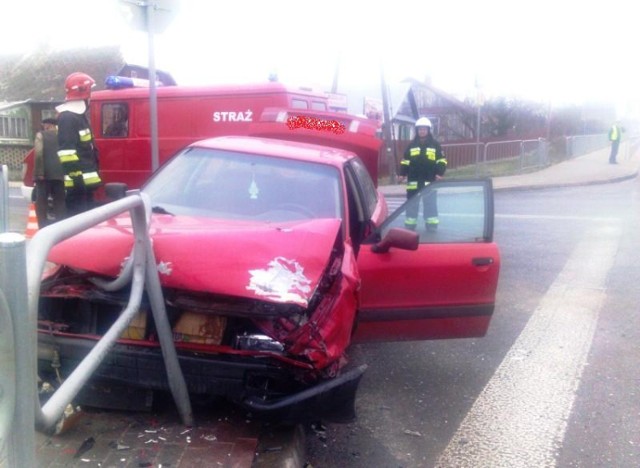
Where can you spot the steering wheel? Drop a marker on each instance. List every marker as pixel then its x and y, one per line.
pixel 296 207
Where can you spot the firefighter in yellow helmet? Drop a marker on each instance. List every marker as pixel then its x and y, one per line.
pixel 423 163
pixel 76 148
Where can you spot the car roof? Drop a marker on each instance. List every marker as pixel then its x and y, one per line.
pixel 279 148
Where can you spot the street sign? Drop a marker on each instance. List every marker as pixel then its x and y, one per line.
pixel 135 13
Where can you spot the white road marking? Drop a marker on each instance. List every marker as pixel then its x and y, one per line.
pixel 597 219
pixel 520 418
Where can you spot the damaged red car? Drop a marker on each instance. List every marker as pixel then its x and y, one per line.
pixel 273 256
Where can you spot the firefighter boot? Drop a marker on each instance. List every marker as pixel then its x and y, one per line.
pixel 431 224
pixel 411 223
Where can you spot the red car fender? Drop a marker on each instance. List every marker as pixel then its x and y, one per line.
pixel 325 337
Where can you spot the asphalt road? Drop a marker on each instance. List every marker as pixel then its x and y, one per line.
pixel 554 382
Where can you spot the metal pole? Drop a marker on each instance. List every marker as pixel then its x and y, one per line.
pixel 4 198
pixel 176 379
pixel 478 139
pixel 8 373
pixel 390 151
pixel 153 100
pixel 13 281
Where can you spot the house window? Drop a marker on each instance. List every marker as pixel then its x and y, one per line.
pixel 13 127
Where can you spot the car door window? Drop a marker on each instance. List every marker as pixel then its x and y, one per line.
pixel 369 192
pixel 461 211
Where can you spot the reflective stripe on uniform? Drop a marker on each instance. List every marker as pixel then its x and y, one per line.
pixel 432 220
pixel 91 178
pixel 68 182
pixel 431 154
pixel 405 162
pixel 67 156
pixel 442 161
pixel 413 185
pixel 85 135
pixel 411 222
pixel 414 152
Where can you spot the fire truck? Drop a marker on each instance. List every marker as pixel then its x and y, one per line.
pixel 120 119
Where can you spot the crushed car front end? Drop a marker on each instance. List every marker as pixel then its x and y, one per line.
pixel 278 350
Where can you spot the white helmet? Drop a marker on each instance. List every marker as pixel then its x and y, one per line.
pixel 423 122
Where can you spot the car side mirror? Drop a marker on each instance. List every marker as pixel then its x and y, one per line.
pixel 399 238
pixel 115 190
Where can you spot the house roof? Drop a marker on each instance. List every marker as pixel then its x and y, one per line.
pixel 40 75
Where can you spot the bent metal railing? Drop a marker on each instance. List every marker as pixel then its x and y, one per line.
pixel 141 271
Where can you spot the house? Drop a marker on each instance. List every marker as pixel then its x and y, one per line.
pixel 32 85
pixel 453 120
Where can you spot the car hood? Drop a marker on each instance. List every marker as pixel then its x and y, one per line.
pixel 280 263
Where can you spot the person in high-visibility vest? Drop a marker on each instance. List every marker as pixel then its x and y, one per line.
pixel 76 149
pixel 615 133
pixel 423 163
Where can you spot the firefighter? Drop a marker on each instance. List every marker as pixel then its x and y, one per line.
pixel 76 149
pixel 423 163
pixel 615 133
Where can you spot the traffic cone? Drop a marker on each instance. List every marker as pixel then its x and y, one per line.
pixel 32 222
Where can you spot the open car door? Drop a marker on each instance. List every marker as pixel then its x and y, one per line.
pixel 446 287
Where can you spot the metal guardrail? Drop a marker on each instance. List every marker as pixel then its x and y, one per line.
pixel 529 153
pixel 579 145
pixel 463 154
pixel 141 272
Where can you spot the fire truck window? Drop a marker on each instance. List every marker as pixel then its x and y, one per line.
pixel 115 120
pixel 321 106
pixel 299 104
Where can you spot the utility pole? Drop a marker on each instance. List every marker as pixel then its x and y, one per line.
pixel 153 100
pixel 479 102
pixel 336 75
pixel 387 130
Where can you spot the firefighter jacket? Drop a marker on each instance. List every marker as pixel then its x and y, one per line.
pixel 422 162
pixel 47 165
pixel 76 151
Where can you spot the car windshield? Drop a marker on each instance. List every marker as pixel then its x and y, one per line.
pixel 232 185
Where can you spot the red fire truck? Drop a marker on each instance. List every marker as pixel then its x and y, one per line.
pixel 121 124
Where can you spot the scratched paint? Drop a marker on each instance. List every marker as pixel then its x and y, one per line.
pixel 283 280
pixel 165 268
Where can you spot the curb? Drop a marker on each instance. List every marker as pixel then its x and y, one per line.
pixel 539 186
pixel 282 447
pixel 565 184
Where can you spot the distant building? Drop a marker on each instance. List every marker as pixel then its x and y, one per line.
pixel 19 122
pixel 452 120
